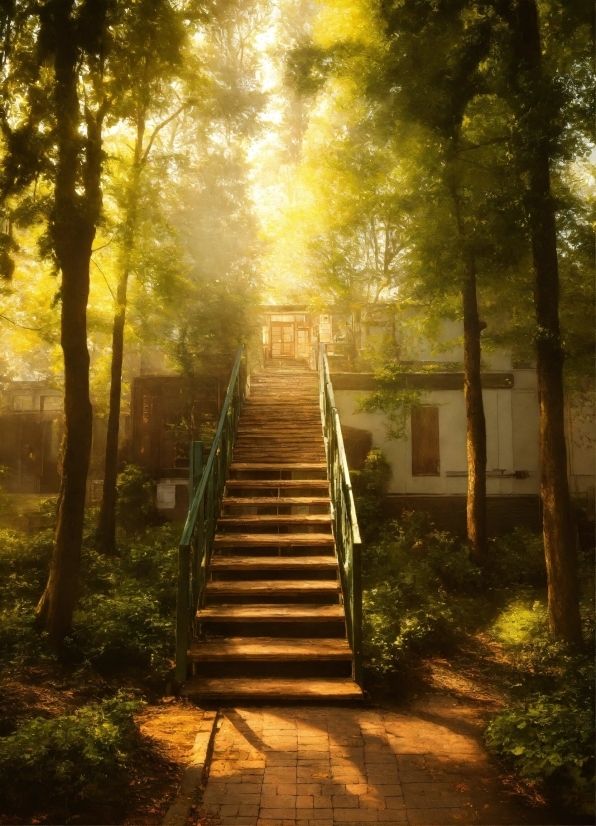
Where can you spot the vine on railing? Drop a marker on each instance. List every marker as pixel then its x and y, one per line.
pixel 345 524
pixel 194 551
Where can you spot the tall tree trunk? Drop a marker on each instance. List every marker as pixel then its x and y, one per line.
pixel 106 528
pixel 72 227
pixel 475 422
pixel 560 541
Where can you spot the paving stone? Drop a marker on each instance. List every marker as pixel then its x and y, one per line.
pixel 277 813
pixel 371 801
pixel 393 816
pixel 278 801
pixel 344 801
pixel 355 816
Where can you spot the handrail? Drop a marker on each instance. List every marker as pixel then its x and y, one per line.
pixel 344 521
pixel 196 544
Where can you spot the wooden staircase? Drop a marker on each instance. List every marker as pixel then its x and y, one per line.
pixel 272 625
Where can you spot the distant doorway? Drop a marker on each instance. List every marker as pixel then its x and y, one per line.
pixel 288 335
pixel 283 340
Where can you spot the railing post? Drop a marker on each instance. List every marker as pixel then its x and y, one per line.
pixel 357 611
pixel 182 607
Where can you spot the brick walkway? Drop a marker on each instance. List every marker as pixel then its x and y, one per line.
pixel 325 766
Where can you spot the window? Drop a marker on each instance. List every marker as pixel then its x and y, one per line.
pixel 24 403
pixel 425 441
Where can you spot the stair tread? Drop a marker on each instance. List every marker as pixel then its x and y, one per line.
pixel 284 464
pixel 273 519
pixel 287 612
pixel 272 586
pixel 269 648
pixel 278 483
pixel 340 688
pixel 274 539
pixel 256 563
pixel 247 501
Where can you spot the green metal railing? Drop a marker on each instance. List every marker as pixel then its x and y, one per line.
pixel 206 490
pixel 345 524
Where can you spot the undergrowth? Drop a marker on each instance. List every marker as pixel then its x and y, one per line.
pixel 69 762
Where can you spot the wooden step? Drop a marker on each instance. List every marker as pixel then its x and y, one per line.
pixel 261 563
pixel 271 588
pixel 269 649
pixel 278 483
pixel 272 689
pixel 271 613
pixel 275 539
pixel 272 519
pixel 237 467
pixel 282 501
pixel 290 430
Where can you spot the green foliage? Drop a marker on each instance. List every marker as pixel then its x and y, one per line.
pixel 370 486
pixel 24 566
pixel 548 732
pixel 125 618
pixel 396 403
pixel 550 737
pixel 414 579
pixel 69 760
pixel 518 559
pixel 136 499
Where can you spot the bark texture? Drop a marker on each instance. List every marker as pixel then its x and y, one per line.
pixel 475 421
pixel 73 224
pixel 106 528
pixel 560 541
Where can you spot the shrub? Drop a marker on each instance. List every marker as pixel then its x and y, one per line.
pixel 414 578
pixel 518 559
pixel 24 566
pixel 71 759
pixel 370 486
pixel 548 733
pixel 135 507
pixel 550 737
pixel 125 618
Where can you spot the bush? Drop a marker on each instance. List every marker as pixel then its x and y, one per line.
pixel 548 733
pixel 370 486
pixel 125 618
pixel 550 737
pixel 414 578
pixel 518 559
pixel 24 564
pixel 69 760
pixel 136 508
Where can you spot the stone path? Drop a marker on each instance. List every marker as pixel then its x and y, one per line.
pixel 326 766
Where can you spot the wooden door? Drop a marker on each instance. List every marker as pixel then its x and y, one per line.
pixel 303 343
pixel 425 441
pixel 282 340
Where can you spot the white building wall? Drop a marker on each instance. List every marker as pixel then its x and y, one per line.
pixel 512 438
pixel 512 425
